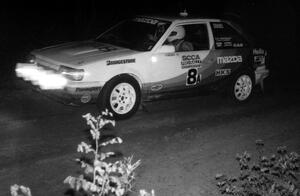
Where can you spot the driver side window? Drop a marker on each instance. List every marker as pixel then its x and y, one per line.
pixel 197 34
pixel 192 37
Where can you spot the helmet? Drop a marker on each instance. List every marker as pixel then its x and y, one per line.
pixel 177 33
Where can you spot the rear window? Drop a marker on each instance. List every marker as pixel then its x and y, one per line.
pixel 227 37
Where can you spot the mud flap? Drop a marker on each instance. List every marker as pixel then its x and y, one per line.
pixel 260 74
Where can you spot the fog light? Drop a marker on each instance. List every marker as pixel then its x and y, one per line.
pixel 85 98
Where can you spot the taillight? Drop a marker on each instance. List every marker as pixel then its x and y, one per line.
pixel 259 57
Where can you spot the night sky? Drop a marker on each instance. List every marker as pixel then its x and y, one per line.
pixel 26 25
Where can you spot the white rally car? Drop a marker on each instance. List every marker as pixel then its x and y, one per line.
pixel 148 57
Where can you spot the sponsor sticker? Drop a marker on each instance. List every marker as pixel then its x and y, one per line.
pixel 223 39
pixel 227 44
pixel 222 72
pixel 238 45
pixel 219 44
pixel 156 87
pixel 258 51
pixel 121 61
pixel 88 89
pixel 259 60
pixel 146 20
pixel 217 25
pixel 229 59
pixel 189 61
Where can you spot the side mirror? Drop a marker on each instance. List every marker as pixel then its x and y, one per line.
pixel 166 49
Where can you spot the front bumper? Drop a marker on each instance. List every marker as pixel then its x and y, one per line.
pixel 71 96
pixel 57 87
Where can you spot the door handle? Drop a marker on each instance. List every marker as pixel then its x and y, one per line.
pixel 170 54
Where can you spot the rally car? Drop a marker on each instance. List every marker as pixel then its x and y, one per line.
pixel 148 57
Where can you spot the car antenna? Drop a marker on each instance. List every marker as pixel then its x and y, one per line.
pixel 184 13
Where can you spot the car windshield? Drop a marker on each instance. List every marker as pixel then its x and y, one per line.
pixel 137 34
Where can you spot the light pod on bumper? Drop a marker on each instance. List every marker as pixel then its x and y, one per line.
pixel 44 79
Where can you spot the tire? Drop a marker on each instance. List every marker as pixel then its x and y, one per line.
pixel 121 96
pixel 241 88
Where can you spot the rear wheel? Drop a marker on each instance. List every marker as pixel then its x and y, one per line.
pixel 241 88
pixel 121 96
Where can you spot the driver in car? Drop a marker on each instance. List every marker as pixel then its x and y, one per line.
pixel 176 38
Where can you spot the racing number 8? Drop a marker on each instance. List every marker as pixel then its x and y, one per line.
pixel 192 77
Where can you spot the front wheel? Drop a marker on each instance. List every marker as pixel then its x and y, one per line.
pixel 241 88
pixel 121 96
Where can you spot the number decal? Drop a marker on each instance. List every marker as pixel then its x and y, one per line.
pixel 193 77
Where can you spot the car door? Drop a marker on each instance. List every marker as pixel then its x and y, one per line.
pixel 198 64
pixel 181 70
pixel 231 50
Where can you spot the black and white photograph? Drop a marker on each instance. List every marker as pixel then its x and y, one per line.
pixel 149 98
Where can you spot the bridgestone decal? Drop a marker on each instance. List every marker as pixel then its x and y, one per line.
pixel 122 61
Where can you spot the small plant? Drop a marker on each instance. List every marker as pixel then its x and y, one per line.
pixel 102 178
pixel 276 175
pixel 145 193
pixel 19 190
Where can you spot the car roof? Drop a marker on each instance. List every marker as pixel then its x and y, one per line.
pixel 181 18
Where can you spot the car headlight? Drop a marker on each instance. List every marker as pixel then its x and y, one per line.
pixel 72 73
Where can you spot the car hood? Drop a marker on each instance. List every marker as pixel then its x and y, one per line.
pixel 81 53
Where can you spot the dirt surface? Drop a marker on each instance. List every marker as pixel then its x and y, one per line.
pixel 182 143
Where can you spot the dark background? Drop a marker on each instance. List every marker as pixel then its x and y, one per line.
pixel 26 25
